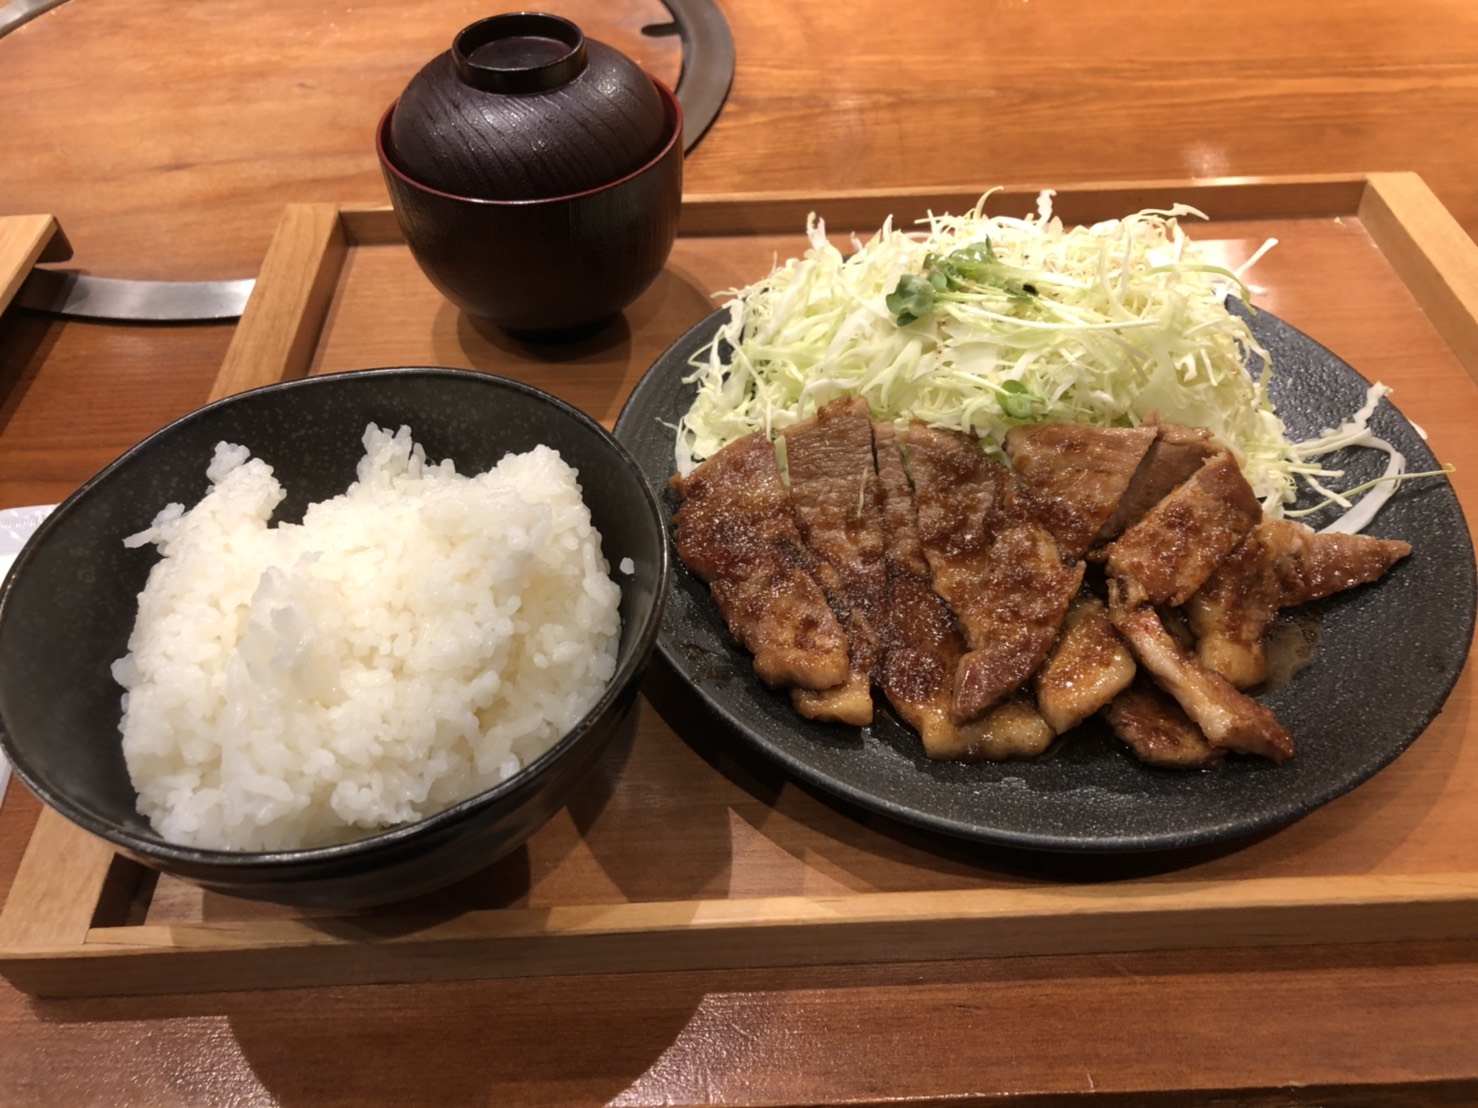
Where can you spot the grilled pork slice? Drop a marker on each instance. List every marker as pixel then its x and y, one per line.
pixel 1010 729
pixel 922 644
pixel 1018 612
pixel 1280 564
pixel 1074 477
pixel 960 496
pixel 849 702
pixel 1233 612
pixel 735 529
pixel 1179 542
pixel 998 569
pixel 1312 565
pixel 1173 457
pixel 1088 666
pixel 1157 730
pixel 834 491
pixel 1229 719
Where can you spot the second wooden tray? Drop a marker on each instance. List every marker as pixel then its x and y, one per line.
pixel 786 880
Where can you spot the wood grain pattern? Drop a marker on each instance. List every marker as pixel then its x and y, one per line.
pixel 722 934
pixel 280 325
pixel 1241 198
pixel 171 140
pixel 23 240
pixel 54 896
pixel 186 178
pixel 1435 259
pixel 168 140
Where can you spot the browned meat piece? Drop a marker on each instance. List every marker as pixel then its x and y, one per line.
pixel 1280 564
pixel 1018 613
pixel 1157 729
pixel 1073 477
pixel 960 498
pixel 1177 453
pixel 1231 614
pixel 736 531
pixel 850 702
pixel 1088 667
pixel 834 491
pixel 1312 565
pixel 1011 729
pixel 921 643
pixel 998 570
pixel 1228 719
pixel 1179 542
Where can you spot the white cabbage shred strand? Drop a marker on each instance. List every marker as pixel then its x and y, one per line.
pixel 1120 320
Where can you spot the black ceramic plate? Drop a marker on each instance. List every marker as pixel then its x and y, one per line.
pixel 1387 658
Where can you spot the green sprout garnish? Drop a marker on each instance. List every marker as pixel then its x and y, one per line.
pixel 963 274
pixel 912 300
pixel 1017 402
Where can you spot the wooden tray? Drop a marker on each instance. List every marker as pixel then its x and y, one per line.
pixel 24 241
pixel 685 854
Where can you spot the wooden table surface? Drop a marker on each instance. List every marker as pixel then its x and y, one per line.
pixel 167 138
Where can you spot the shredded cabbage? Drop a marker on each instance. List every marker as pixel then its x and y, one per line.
pixel 1022 321
pixel 1355 431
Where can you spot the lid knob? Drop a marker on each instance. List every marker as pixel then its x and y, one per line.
pixel 519 52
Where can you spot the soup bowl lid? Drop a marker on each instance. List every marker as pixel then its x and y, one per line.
pixel 525 107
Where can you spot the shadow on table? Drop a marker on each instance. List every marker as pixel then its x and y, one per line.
pixel 582 1039
pixel 25 339
pixel 594 368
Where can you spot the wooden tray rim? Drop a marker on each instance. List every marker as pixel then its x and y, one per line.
pixel 64 929
pixel 24 241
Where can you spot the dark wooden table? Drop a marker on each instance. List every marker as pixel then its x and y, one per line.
pixel 168 138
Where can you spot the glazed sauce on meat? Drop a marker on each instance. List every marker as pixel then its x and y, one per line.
pixel 1291 645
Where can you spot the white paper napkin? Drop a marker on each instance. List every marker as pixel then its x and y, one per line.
pixel 16 526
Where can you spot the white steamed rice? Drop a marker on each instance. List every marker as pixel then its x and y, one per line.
pixel 415 640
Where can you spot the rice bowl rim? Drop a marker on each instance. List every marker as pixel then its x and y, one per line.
pixel 388 839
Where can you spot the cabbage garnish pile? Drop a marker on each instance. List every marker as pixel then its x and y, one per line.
pixel 979 323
